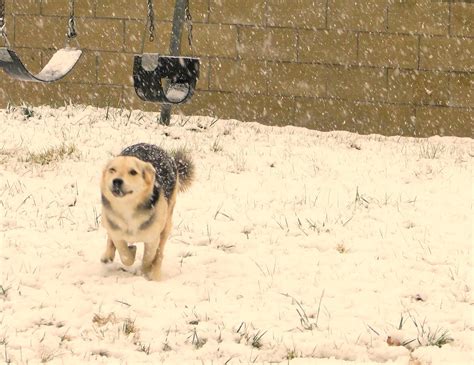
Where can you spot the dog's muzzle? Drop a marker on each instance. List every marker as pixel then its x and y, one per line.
pixel 117 188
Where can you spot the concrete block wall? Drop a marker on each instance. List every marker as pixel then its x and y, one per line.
pixel 393 67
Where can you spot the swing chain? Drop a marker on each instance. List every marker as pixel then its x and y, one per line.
pixel 3 25
pixel 189 24
pixel 2 14
pixel 71 26
pixel 151 21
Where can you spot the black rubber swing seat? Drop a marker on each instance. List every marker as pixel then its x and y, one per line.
pixel 180 75
pixel 58 66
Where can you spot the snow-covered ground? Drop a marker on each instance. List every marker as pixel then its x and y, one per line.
pixel 292 246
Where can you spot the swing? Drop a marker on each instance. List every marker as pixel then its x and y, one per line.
pixel 166 79
pixel 58 66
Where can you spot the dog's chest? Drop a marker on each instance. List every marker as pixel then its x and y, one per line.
pixel 131 226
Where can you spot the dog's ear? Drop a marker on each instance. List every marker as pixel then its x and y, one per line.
pixel 148 173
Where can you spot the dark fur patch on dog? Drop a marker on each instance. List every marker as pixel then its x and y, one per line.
pixel 113 225
pixel 165 167
pixel 145 225
pixel 106 202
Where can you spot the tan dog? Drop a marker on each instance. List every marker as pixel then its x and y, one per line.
pixel 139 189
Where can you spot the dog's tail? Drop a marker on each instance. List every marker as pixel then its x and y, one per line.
pixel 185 167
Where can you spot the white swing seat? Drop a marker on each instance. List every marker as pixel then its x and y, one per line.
pixel 62 62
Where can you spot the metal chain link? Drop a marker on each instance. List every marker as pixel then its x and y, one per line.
pixel 3 29
pixel 189 24
pixel 2 13
pixel 71 25
pixel 151 21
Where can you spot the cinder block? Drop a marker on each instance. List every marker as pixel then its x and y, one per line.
pixel 444 53
pixel 366 15
pixel 9 9
pixel 362 118
pixel 419 16
pixel 310 14
pixel 137 37
pixel 319 114
pixel 214 104
pixel 248 12
pixel 164 10
pixel 61 7
pixel 357 83
pixel 462 19
pixel 418 87
pixel 204 74
pixel 331 47
pixel 124 9
pixel 384 119
pixel 205 104
pixel 38 94
pixel 462 90
pixel 131 101
pixel 269 110
pixel 49 32
pixel 223 44
pixel 243 107
pixel 296 79
pixel 96 95
pixel 32 58
pixel 101 34
pixel 388 50
pixel 115 68
pixel 442 121
pixel 239 76
pixel 277 44
pixel 26 7
pixel 199 10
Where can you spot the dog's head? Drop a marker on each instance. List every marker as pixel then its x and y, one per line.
pixel 127 177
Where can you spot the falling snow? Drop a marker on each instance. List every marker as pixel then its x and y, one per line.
pixel 292 246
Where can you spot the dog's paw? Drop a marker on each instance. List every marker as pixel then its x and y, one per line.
pixel 129 259
pixel 107 258
pixel 154 274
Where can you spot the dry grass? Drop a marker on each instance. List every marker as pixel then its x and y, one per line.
pixel 52 154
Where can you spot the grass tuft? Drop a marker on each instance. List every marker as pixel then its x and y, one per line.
pixel 197 341
pixel 27 112
pixel 428 337
pixel 102 320
pixel 252 339
pixel 53 154
pixel 129 327
pixel 307 322
pixel 4 291
pixel 144 348
pixel 431 151
pixel 256 340
pixel 216 146
pixel 341 248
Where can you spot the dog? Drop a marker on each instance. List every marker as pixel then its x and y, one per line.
pixel 139 189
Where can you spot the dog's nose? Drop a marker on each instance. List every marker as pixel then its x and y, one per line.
pixel 117 183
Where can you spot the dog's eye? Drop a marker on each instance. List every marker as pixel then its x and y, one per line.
pixel 133 172
pixel 112 170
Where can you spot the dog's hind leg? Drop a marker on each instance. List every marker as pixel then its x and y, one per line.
pixel 109 254
pixel 127 254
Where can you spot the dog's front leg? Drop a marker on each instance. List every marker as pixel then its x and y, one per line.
pixel 109 253
pixel 127 254
pixel 149 255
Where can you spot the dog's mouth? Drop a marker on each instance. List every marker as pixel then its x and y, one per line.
pixel 119 193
